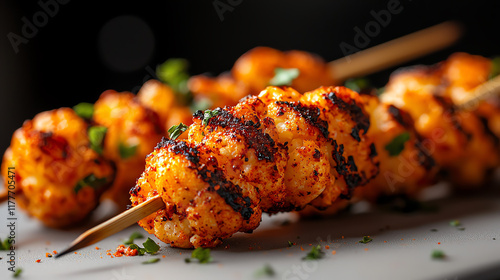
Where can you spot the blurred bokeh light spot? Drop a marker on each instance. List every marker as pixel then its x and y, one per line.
pixel 126 43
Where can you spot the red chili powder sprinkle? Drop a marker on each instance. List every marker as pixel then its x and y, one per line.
pixel 327 247
pixel 301 248
pixel 38 261
pixel 55 252
pixel 439 243
pixel 97 248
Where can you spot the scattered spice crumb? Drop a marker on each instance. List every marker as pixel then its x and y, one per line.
pixel 342 237
pixel 366 249
pixel 439 243
pixel 413 239
pixel 180 253
pixel 301 248
pixel 39 261
pixel 48 255
pixel 327 247
pixel 334 252
pixel 76 253
pixel 385 241
pixel 55 252
pixel 97 248
pixel 163 256
pixel 401 238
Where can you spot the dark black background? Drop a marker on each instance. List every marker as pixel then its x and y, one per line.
pixel 65 62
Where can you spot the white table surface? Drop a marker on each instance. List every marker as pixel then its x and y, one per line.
pixel 401 247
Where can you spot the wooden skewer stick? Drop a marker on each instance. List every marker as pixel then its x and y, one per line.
pixel 481 92
pixel 395 52
pixel 361 63
pixel 115 224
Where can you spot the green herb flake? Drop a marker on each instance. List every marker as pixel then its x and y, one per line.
pixel 96 138
pixel 84 110
pixel 140 251
pixel 133 236
pixel 265 271
pixel 151 246
pixel 284 77
pixel 290 243
pixel 397 145
pixel 176 130
pixel 208 114
pixel 201 254
pixel 455 223
pixel 495 67
pixel 126 151
pixel 17 273
pixel 366 239
pixel 91 181
pixel 155 260
pixel 438 254
pixel 315 254
pixel 358 84
pixel 5 244
pixel 174 72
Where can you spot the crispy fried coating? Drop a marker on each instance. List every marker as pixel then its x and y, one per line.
pixel 59 178
pixel 132 132
pixel 270 153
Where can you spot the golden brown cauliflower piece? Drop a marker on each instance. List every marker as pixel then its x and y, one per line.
pixel 132 133
pixel 458 139
pixel 202 205
pixel 59 178
pixel 162 100
pixel 269 153
pixel 256 68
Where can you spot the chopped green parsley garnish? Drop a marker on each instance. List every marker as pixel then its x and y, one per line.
pixel 5 244
pixel 174 73
pixel 438 254
pixel 91 181
pixel 315 254
pixel 151 246
pixel 84 110
pixel 208 114
pixel 17 272
pixel 96 138
pixel 397 145
pixel 267 270
pixel 290 244
pixel 133 236
pixel 495 67
pixel 455 223
pixel 176 130
pixel 366 239
pixel 155 260
pixel 201 254
pixel 284 77
pixel 126 151
pixel 357 84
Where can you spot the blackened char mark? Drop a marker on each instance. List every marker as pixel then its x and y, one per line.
pixel 346 168
pixel 398 116
pixel 361 119
pixel 55 146
pixel 489 132
pixel 450 109
pixel 250 131
pixel 310 113
pixel 215 178
pixel 424 158
pixel 180 147
pixel 230 192
pixel 373 150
